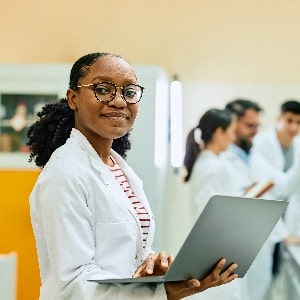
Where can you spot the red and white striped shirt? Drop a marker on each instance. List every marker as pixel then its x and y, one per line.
pixel 137 205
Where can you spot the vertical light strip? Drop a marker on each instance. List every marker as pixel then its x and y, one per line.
pixel 161 123
pixel 176 123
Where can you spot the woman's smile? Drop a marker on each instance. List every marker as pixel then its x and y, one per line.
pixel 115 117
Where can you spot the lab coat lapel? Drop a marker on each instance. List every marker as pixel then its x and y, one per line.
pixel 115 189
pixel 136 185
pixel 135 182
pixel 108 179
pixel 276 153
pixel 117 194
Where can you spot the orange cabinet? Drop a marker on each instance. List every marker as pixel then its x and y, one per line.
pixel 15 229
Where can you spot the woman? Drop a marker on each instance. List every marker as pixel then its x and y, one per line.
pixel 208 177
pixel 205 170
pixel 90 216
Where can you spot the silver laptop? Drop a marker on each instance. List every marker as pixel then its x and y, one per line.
pixel 231 227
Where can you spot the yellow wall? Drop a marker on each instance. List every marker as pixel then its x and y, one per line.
pixel 15 229
pixel 207 40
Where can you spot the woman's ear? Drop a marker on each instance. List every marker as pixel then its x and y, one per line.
pixel 71 97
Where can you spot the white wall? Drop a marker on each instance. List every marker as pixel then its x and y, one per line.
pixel 197 98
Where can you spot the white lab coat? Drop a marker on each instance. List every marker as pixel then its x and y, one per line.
pixel 265 141
pixel 86 228
pixel 208 178
pixel 258 169
pixel 243 175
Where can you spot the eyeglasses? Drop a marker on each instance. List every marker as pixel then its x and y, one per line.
pixel 251 126
pixel 106 91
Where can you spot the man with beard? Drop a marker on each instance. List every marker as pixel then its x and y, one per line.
pixel 246 167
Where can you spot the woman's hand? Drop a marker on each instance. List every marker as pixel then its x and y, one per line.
pixel 179 290
pixel 292 239
pixel 154 265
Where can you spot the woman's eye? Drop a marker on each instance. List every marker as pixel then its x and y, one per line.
pixel 102 89
pixel 130 93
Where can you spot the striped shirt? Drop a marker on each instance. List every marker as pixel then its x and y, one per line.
pixel 137 205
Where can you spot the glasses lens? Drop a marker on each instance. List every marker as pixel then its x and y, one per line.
pixel 132 93
pixel 104 91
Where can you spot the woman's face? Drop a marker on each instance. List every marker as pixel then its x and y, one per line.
pixel 227 136
pixel 98 120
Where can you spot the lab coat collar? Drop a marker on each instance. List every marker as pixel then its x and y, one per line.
pixel 84 143
pixel 240 153
pixel 95 160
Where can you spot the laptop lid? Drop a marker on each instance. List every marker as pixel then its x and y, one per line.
pixel 231 227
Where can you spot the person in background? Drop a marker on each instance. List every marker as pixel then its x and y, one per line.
pixel 213 134
pixel 284 141
pixel 90 216
pixel 207 176
pixel 246 167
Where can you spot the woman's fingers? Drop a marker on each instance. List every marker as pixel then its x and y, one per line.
pixel 229 275
pixel 218 268
pixel 194 283
pixel 218 276
pixel 154 265
pixel 163 259
pixel 158 264
pixel 150 262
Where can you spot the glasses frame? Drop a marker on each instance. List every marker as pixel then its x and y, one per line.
pixel 94 85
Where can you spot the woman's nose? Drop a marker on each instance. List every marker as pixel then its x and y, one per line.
pixel 118 100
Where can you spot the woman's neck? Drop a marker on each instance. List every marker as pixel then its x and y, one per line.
pixel 103 147
pixel 213 148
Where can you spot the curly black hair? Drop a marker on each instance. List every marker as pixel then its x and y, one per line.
pixel 53 128
pixel 56 120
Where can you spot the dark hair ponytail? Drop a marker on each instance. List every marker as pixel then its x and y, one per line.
pixel 50 131
pixel 192 150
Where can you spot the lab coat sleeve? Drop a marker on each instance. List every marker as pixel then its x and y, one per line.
pixel 285 183
pixel 261 144
pixel 292 214
pixel 67 229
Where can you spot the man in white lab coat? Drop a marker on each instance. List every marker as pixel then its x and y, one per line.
pixel 246 167
pixel 284 140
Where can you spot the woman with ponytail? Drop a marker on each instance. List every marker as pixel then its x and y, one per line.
pixel 214 132
pixel 207 176
pixel 204 169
